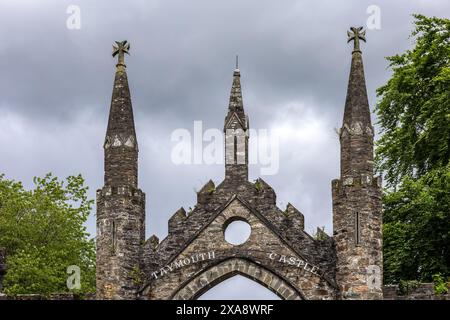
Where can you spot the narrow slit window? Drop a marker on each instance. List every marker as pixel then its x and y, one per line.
pixel 113 235
pixel 235 150
pixel 357 228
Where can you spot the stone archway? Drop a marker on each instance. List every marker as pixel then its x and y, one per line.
pixel 238 287
pixel 207 279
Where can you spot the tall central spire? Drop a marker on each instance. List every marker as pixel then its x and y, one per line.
pixel 236 103
pixel 236 133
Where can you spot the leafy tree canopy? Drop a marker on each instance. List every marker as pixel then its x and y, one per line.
pixel 414 109
pixel 416 230
pixel 43 232
pixel 413 153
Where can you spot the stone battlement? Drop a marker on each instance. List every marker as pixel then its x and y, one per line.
pixel 361 181
pixel 124 190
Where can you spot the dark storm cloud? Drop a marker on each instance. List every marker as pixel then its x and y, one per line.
pixel 183 52
pixel 56 86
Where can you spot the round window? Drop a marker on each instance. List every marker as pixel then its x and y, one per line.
pixel 237 232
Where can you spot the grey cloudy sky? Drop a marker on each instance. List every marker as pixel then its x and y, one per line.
pixel 56 83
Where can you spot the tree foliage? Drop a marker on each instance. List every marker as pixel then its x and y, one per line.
pixel 416 229
pixel 414 110
pixel 413 153
pixel 43 232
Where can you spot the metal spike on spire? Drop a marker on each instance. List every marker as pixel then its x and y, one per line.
pixel 237 62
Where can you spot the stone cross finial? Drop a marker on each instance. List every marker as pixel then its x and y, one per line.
pixel 356 34
pixel 121 48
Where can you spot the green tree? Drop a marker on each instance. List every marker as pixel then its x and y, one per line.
pixel 417 228
pixel 413 154
pixel 43 232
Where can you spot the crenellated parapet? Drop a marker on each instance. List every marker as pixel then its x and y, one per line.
pixel 205 193
pixel 177 220
pixel 364 180
pixel 260 199
pixel 153 242
pixel 296 216
pixel 121 190
pixel 264 192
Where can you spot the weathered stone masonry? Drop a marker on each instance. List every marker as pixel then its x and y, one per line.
pixel 357 194
pixel 120 203
pixel 279 254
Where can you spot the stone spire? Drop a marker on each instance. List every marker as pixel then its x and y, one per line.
pixel 236 133
pixel 356 134
pixel 236 104
pixel 357 216
pixel 120 204
pixel 121 150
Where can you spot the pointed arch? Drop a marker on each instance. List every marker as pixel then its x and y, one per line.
pixel 238 287
pixel 202 282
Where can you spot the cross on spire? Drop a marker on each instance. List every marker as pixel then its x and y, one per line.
pixel 356 34
pixel 120 49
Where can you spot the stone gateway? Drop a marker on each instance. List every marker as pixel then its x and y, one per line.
pixel 279 254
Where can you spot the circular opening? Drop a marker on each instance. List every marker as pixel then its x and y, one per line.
pixel 237 232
